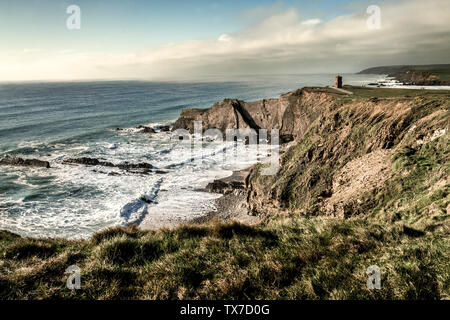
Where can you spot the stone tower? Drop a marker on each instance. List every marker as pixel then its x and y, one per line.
pixel 338 82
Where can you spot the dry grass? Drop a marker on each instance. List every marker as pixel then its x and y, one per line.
pixel 287 258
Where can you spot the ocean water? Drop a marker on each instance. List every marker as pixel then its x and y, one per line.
pixel 57 121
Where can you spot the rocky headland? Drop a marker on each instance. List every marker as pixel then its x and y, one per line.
pixel 344 148
pixel 419 75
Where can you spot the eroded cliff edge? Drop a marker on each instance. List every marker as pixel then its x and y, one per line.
pixel 292 113
pixel 378 151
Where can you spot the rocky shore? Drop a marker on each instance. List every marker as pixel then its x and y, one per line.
pixel 325 127
pixel 291 114
pixel 420 78
pixel 232 205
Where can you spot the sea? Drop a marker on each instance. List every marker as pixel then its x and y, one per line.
pixel 56 121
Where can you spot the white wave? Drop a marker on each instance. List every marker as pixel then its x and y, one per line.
pixel 135 211
pixel 80 200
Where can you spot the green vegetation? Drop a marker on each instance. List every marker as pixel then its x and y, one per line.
pixel 285 258
pixel 393 93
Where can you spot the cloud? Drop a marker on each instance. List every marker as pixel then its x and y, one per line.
pixel 224 38
pixel 311 22
pixel 412 32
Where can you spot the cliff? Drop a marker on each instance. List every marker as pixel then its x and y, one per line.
pixel 292 113
pixel 384 156
pixel 354 154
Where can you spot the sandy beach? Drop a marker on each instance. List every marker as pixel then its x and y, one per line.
pixel 230 205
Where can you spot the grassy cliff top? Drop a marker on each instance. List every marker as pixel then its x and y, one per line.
pixel 360 92
pixel 397 93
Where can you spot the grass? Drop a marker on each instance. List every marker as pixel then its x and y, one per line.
pixel 392 93
pixel 285 258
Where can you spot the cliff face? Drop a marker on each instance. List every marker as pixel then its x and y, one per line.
pixel 292 113
pixel 386 156
pixel 377 150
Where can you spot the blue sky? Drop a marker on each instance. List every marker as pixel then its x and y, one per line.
pixel 119 26
pixel 173 38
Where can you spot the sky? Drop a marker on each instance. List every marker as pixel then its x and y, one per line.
pixel 182 39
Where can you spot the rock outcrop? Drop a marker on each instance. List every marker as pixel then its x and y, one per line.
pixel 164 128
pixel 88 162
pixel 141 129
pixel 141 167
pixel 145 129
pixel 236 182
pixel 292 113
pixel 16 161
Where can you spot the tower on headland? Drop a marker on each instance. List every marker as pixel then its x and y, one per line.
pixel 338 82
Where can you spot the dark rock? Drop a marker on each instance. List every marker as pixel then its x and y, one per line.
pixel 164 128
pixel 285 138
pixel 146 129
pixel 224 187
pixel 237 181
pixel 218 186
pixel 16 161
pixel 139 168
pixel 88 162
pixel 141 171
pixel 146 200
pixel 131 166
pixel 161 172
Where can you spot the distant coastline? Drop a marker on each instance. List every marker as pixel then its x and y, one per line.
pixel 415 75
